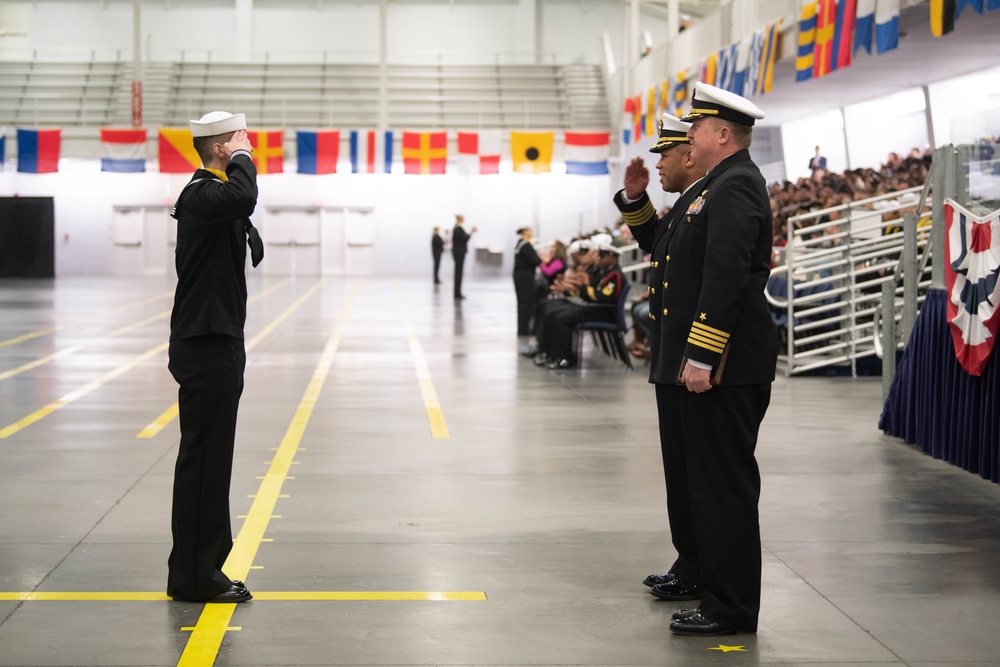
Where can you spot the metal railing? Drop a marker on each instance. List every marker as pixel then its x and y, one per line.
pixel 836 269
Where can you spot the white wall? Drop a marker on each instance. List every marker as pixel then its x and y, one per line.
pixel 895 123
pixel 800 138
pixel 961 106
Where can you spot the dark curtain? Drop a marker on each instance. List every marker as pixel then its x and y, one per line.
pixel 934 404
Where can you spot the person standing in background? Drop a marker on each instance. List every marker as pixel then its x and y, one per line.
pixel 437 249
pixel 817 165
pixel 526 261
pixel 207 357
pixel 459 248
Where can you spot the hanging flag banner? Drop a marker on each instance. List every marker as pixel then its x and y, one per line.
pixel 886 25
pixel 176 151
pixel 317 151
pixel 586 153
pixel 123 151
pixel 942 17
pixel 726 73
pixel 3 146
pixel 38 151
pixel 826 18
pixel 479 152
pixel 680 93
pixel 807 40
pixel 864 25
pixel 972 276
pixel 425 152
pixel 371 152
pixel 843 29
pixel 268 150
pixel 627 123
pixel 531 152
pixel 765 74
pixel 741 75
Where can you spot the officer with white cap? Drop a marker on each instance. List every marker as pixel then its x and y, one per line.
pixel 207 355
pixel 719 346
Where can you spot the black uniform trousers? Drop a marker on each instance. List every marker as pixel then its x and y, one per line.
pixel 437 266
pixel 524 289
pixel 713 487
pixel 209 370
pixel 459 266
pixel 559 331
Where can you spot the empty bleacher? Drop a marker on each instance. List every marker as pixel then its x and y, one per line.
pixel 435 96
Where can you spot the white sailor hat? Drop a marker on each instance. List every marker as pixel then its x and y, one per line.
pixel 673 131
pixel 608 248
pixel 597 240
pixel 218 122
pixel 708 100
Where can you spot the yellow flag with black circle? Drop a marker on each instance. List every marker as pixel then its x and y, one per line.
pixel 531 152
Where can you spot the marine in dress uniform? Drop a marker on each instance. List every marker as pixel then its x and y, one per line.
pixel 526 261
pixel 207 355
pixel 713 367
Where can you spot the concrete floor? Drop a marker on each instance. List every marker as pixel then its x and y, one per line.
pixel 546 499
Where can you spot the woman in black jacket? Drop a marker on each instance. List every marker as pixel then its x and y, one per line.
pixel 526 260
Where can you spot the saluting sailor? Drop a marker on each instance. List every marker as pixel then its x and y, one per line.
pixel 714 363
pixel 207 356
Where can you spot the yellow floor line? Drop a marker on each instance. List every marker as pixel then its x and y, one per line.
pixel 168 415
pixel 74 348
pixel 52 330
pixel 334 596
pixel 435 417
pixel 66 399
pixel 206 638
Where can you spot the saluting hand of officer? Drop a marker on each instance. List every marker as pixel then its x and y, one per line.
pixel 636 178
pixel 238 141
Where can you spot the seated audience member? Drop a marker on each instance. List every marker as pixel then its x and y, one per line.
pixel 639 346
pixel 598 302
pixel 583 256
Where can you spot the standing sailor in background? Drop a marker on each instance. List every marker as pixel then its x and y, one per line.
pixel 207 355
pixel 459 248
pixel 526 262
pixel 437 249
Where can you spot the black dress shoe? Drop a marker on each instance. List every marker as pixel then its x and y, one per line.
pixel 684 613
pixel 238 583
pixel 234 594
pixel 657 579
pixel 700 626
pixel 678 589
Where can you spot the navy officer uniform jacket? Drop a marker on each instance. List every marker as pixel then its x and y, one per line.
pixel 707 280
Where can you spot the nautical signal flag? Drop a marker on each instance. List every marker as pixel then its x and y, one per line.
pixel 765 73
pixel 425 152
pixel 843 28
pixel 317 152
pixel 531 152
pixel 268 150
pixel 479 152
pixel 176 151
pixel 628 130
pixel 878 19
pixel 826 19
pixel 123 150
pixel 807 40
pixel 680 93
pixel 3 146
pixel 371 152
pixel 38 151
pixel 586 153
